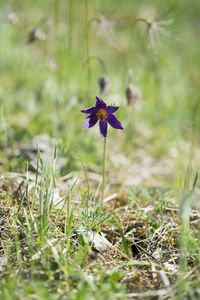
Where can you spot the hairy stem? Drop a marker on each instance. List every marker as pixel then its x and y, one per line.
pixel 103 171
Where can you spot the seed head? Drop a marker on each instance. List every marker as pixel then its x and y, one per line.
pixel 12 17
pixel 156 29
pixel 132 94
pixel 36 34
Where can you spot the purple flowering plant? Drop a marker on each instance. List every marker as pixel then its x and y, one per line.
pixel 105 115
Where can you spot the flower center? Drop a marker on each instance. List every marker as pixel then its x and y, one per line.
pixel 102 114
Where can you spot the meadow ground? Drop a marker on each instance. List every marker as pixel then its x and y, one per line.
pixel 56 240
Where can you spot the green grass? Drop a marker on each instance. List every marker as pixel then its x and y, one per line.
pixel 50 197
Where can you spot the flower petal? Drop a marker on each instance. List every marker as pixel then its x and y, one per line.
pixel 100 103
pixel 112 109
pixel 90 110
pixel 103 126
pixel 114 122
pixel 90 121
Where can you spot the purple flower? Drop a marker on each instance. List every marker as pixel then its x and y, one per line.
pixel 102 113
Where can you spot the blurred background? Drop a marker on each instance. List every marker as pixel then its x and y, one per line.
pixel 56 56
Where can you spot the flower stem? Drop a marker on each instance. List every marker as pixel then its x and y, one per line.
pixel 103 171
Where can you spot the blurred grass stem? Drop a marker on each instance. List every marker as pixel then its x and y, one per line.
pixel 87 47
pixel 70 24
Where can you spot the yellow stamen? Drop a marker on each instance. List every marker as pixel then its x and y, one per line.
pixel 102 114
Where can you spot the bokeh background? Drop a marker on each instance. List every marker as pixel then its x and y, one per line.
pixel 53 54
